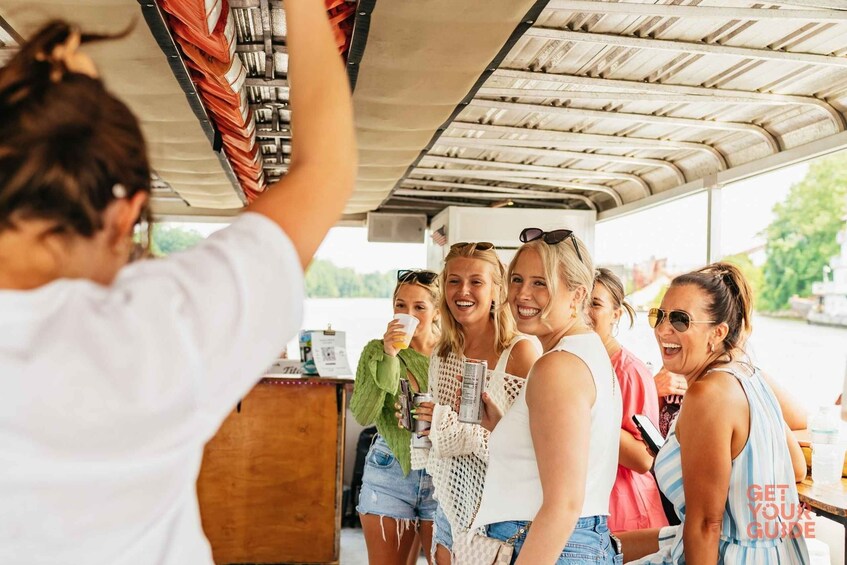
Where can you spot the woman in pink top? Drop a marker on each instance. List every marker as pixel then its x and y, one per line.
pixel 635 501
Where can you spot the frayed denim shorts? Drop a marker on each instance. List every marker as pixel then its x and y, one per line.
pixel 589 544
pixel 386 492
pixel 443 532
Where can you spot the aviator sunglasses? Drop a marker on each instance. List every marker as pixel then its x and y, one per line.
pixel 550 237
pixel 413 276
pixel 680 319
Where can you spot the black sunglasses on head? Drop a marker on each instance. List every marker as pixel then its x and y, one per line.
pixel 412 276
pixel 550 238
pixel 481 245
pixel 680 319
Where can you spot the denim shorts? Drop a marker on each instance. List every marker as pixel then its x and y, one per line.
pixel 443 532
pixel 589 544
pixel 386 492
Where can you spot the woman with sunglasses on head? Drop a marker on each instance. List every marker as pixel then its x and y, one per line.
pixel 554 454
pixel 729 439
pixel 476 324
pixel 635 502
pixel 395 501
pixel 114 377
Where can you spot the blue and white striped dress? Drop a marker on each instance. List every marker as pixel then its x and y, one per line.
pixel 765 460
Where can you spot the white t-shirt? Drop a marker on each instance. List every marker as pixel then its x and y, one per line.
pixel 108 395
pixel 512 488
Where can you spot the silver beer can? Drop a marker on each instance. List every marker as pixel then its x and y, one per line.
pixel 473 384
pixel 419 425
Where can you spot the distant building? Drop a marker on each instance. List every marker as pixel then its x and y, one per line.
pixel 831 293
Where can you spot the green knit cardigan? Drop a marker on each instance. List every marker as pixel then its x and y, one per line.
pixel 375 393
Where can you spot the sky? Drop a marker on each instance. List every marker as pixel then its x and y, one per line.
pixel 676 230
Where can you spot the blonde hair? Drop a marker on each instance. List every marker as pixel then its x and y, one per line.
pixel 452 339
pixel 433 289
pixel 561 264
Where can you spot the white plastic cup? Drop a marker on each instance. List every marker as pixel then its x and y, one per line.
pixel 409 324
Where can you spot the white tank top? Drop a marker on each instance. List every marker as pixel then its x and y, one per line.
pixel 512 488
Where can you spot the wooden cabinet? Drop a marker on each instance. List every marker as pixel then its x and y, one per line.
pixel 270 483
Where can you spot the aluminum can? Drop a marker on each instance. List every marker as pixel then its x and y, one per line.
pixel 405 401
pixel 420 426
pixel 473 384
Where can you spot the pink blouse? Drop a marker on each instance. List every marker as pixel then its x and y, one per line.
pixel 635 502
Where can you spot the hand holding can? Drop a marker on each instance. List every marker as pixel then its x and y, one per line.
pixel 422 403
pixel 473 384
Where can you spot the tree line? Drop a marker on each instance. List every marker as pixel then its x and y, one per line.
pixel 800 241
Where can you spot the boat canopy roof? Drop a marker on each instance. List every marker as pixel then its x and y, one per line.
pixel 604 105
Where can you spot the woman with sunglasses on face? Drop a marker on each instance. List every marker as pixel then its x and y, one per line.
pixel 114 377
pixel 554 454
pixel 635 502
pixel 476 324
pixel 729 439
pixel 395 501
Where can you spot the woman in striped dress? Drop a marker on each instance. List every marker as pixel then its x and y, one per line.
pixel 729 448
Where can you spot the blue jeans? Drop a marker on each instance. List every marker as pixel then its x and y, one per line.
pixel 386 492
pixel 443 531
pixel 588 545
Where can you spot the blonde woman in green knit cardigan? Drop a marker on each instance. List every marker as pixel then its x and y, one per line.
pixel 395 501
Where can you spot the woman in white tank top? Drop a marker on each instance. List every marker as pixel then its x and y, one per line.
pixel 554 455
pixel 476 324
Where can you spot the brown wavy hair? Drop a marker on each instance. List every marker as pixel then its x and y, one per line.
pixel 65 141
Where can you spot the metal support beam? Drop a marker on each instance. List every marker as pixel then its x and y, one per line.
pixel 516 177
pixel 500 190
pixel 532 137
pixel 259 81
pixel 819 4
pixel 581 113
pixel 697 93
pixel 516 149
pixel 673 11
pixel 267 35
pixel 612 40
pixel 713 219
pixel 818 148
pixel 522 169
pixel 476 195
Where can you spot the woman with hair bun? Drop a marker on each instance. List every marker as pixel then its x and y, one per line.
pixel 635 502
pixel 729 439
pixel 114 377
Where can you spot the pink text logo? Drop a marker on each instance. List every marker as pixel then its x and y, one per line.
pixel 777 513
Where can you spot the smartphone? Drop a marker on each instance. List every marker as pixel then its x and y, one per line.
pixel 651 436
pixel 405 400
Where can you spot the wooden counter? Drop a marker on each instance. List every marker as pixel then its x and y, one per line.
pixel 270 483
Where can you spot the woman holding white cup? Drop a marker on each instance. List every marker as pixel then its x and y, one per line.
pixel 396 501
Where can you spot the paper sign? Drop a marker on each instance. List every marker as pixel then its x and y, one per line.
pixel 330 353
pixel 324 353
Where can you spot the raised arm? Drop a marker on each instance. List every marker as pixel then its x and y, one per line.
pixel 308 200
pixel 562 404
pixel 377 377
